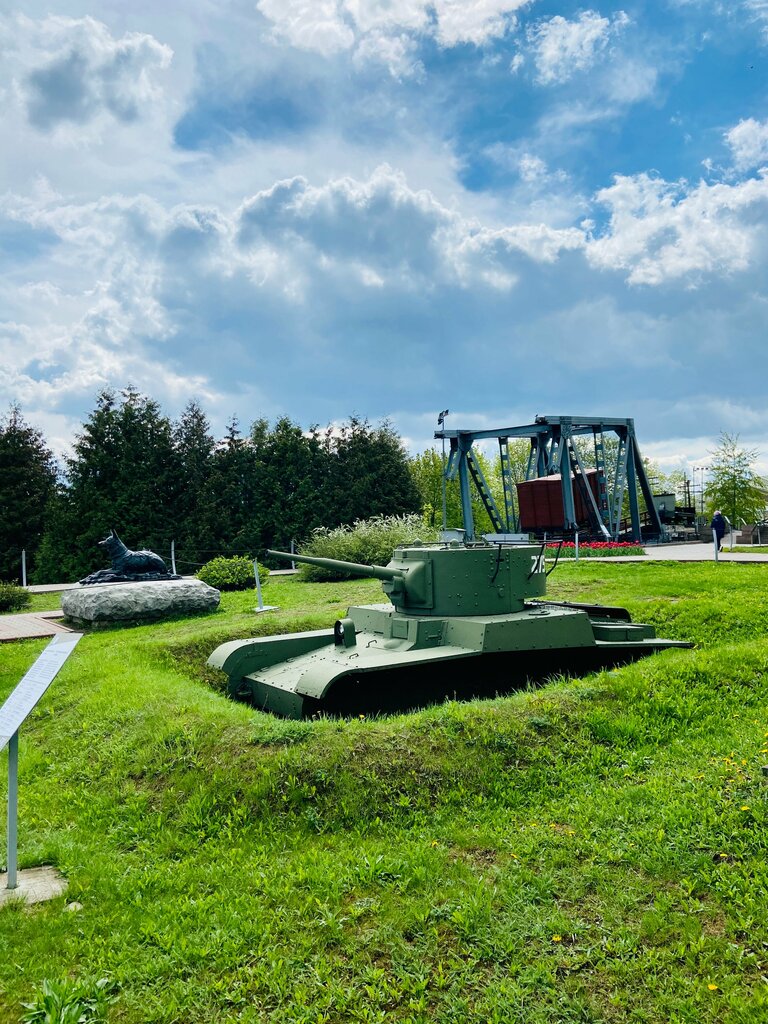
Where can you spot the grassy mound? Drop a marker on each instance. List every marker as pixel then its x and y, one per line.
pixel 592 851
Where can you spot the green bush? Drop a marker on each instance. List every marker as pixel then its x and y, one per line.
pixel 13 597
pixel 368 541
pixel 231 573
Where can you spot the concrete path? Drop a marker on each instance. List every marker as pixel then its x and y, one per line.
pixel 30 626
pixel 690 552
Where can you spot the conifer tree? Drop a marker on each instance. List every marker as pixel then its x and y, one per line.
pixel 290 477
pixel 194 446
pixel 122 475
pixel 368 473
pixel 27 486
pixel 230 501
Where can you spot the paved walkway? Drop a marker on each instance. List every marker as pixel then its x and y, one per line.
pixel 31 625
pixel 690 552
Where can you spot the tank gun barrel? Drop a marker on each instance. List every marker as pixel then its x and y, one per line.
pixel 379 572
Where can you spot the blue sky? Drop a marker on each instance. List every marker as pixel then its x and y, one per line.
pixel 389 207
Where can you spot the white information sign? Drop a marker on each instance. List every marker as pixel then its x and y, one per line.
pixel 31 688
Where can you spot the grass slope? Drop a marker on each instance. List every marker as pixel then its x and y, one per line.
pixel 594 851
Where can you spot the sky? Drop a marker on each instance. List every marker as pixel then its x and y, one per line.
pixel 319 208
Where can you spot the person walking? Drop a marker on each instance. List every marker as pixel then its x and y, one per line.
pixel 718 527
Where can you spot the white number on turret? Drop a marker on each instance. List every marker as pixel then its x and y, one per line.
pixel 537 563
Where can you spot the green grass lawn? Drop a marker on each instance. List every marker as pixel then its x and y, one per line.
pixel 591 851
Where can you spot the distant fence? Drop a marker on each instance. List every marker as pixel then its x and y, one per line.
pixel 182 566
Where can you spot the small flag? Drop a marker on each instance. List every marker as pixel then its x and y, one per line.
pixel 441 417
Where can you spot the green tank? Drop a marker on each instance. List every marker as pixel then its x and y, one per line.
pixel 461 621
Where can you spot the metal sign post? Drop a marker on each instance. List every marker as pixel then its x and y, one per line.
pixel 13 809
pixel 13 713
pixel 262 607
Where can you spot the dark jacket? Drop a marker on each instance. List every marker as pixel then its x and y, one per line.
pixel 718 525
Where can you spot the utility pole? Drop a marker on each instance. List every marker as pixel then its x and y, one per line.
pixel 441 423
pixel 702 470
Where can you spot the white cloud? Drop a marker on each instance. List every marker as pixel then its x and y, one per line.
pixel 128 282
pixel 72 72
pixel 758 9
pixel 474 21
pixel 133 290
pixel 405 238
pixel 395 51
pixel 661 231
pixel 749 143
pixel 317 25
pixel 562 47
pixel 387 30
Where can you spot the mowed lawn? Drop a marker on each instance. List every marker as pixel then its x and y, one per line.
pixel 590 851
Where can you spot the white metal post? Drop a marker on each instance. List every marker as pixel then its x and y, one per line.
pixel 24 567
pixel 262 607
pixel 576 544
pixel 173 557
pixel 13 809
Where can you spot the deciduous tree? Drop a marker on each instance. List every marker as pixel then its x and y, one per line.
pixel 734 486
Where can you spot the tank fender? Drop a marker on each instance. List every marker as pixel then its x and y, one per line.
pixel 238 658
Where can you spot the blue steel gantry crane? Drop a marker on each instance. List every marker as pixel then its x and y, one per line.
pixel 553 452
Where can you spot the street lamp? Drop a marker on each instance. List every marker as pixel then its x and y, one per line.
pixel 441 423
pixel 733 482
pixel 702 469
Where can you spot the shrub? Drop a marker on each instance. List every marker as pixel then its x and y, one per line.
pixel 231 573
pixel 368 541
pixel 13 597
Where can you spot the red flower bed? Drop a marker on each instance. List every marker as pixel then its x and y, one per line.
pixel 598 544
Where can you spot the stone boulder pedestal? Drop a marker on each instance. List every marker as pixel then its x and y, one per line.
pixel 138 602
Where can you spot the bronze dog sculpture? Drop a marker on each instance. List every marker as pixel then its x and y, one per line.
pixel 129 566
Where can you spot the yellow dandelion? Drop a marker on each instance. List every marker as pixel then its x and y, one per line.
pixel 744 807
pixel 712 987
pixel 557 938
pixel 723 856
pixel 435 842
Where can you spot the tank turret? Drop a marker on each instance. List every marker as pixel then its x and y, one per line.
pixel 451 579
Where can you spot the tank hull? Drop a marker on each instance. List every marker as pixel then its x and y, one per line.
pixel 386 662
